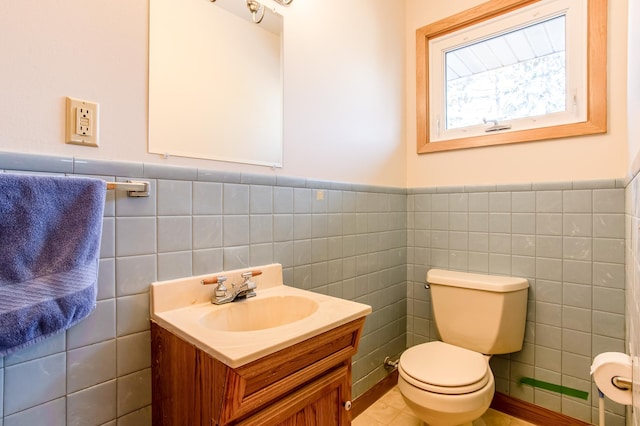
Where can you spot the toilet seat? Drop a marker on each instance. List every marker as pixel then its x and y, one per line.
pixel 443 368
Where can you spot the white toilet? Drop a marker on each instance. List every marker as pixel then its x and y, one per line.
pixel 450 382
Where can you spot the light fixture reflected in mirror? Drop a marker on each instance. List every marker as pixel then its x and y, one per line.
pixel 257 9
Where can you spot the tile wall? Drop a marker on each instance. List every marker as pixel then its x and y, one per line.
pixel 633 291
pixel 568 239
pixel 369 244
pixel 340 239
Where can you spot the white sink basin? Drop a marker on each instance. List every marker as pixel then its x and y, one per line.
pixel 243 331
pixel 259 314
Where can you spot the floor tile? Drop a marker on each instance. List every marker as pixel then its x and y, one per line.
pixel 391 410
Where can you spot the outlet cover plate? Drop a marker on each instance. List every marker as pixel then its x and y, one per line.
pixel 82 122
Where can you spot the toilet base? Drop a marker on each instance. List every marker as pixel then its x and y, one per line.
pixel 447 410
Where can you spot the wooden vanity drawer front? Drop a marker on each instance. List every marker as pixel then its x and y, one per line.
pixel 277 375
pixel 342 344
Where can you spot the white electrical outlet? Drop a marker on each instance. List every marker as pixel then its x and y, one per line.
pixel 82 122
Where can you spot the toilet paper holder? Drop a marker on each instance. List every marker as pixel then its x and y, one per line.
pixel 622 383
pixel 613 374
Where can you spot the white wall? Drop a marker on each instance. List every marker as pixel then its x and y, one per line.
pixel 347 65
pixel 344 90
pixel 590 157
pixel 344 84
pixel 633 83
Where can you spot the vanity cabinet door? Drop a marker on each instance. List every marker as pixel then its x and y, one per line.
pixel 320 403
pixel 305 384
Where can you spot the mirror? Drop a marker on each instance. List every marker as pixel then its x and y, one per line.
pixel 215 81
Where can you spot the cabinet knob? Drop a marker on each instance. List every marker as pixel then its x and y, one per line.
pixel 347 405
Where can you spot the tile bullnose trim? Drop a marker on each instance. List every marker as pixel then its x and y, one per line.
pixel 521 187
pixel 595 184
pixel 162 171
pixel 220 176
pixel 552 186
pixel 89 166
pixel 258 179
pixel 63 164
pixel 86 166
pixel 295 182
pixel 35 162
pixel 318 184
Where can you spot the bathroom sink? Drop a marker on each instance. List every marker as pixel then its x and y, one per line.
pixel 245 330
pixel 259 314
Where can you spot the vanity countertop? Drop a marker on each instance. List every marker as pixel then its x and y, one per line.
pixel 183 305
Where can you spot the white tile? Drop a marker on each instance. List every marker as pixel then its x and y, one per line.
pixel 174 265
pixel 135 236
pixel 46 377
pixel 1 391
pixel 90 365
pixel 174 233
pixel 52 413
pixel 141 417
pixel 92 406
pixel 133 314
pixel 134 391
pixel 174 197
pixel 106 279
pixel 134 352
pixel 97 327
pixel 135 273
pixel 46 347
pixel 137 206
pixel 108 239
pixel 207 232
pixel 207 198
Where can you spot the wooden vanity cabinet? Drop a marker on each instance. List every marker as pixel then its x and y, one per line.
pixel 306 384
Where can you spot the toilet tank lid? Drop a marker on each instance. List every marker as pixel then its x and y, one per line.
pixel 495 283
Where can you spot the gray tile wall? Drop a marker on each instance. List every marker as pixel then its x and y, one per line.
pixel 568 239
pixel 363 243
pixel 339 239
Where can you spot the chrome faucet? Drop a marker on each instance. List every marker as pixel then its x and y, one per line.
pixel 224 295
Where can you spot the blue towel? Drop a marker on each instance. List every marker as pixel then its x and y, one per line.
pixel 50 231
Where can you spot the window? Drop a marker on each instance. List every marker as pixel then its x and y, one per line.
pixel 512 71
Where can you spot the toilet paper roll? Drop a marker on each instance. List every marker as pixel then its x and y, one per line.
pixel 605 367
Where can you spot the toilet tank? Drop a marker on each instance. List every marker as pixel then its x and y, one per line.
pixel 483 313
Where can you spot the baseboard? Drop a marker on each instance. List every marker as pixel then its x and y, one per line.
pixel 365 400
pixel 532 413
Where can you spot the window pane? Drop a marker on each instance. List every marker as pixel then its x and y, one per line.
pixel 514 75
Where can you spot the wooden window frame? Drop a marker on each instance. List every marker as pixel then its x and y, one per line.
pixel 596 78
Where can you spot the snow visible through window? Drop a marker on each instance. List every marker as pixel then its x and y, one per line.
pixel 518 74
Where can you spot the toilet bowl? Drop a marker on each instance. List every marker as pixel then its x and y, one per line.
pixel 445 385
pixel 449 382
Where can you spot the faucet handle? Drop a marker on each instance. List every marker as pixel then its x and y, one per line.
pixel 213 280
pixel 250 285
pixel 248 274
pixel 221 289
